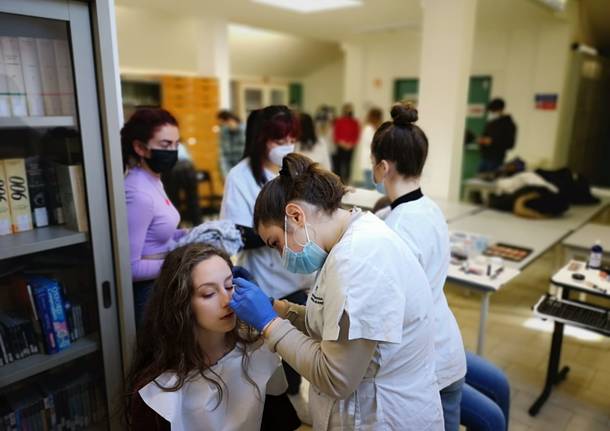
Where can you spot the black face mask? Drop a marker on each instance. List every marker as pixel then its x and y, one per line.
pixel 162 160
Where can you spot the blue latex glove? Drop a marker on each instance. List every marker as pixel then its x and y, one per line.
pixel 251 304
pixel 241 272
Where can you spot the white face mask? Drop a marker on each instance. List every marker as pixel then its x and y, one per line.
pixel 492 116
pixel 277 154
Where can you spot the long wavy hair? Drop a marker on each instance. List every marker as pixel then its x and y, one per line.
pixel 167 340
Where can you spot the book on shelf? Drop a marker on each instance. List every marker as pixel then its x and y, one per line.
pixel 31 76
pixel 48 71
pixel 19 201
pixel 71 186
pixel 5 100
pixel 50 308
pixel 55 211
pixel 63 61
pixel 14 75
pixel 38 190
pixel 5 209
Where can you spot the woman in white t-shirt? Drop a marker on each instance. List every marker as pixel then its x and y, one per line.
pixel 269 137
pixel 398 153
pixel 310 145
pixel 361 164
pixel 195 364
pixel 365 338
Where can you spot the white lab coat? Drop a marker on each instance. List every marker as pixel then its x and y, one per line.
pixel 373 276
pixel 194 406
pixel 264 263
pixel 421 224
pixel 318 153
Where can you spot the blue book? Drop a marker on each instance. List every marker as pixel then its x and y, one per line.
pixel 50 306
pixel 46 324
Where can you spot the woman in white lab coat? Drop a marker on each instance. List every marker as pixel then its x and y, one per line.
pixel 398 153
pixel 269 137
pixel 365 338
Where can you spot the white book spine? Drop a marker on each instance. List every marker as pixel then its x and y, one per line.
pixel 48 71
pixel 14 75
pixel 64 76
pixel 5 100
pixel 31 76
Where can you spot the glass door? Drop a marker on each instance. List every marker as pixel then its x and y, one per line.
pixel 59 339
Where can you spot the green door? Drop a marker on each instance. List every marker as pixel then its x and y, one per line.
pixel 295 95
pixel 479 90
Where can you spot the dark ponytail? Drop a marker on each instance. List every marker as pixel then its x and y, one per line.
pixel 300 179
pixel 402 142
pixel 141 126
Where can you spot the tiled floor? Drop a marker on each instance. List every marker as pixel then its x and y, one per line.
pixel 520 344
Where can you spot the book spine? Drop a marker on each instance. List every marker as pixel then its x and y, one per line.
pixel 52 192
pixel 37 189
pixel 6 345
pixel 42 308
pixel 31 76
pixel 48 70
pixel 64 76
pixel 5 100
pixel 14 76
pixel 58 316
pixel 5 209
pixel 19 201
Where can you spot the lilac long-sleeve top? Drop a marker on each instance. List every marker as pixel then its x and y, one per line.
pixel 152 221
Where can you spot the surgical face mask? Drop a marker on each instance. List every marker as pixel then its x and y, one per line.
pixel 162 160
pixel 309 260
pixel 492 115
pixel 378 185
pixel 277 154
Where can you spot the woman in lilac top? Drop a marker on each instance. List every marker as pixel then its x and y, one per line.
pixel 149 141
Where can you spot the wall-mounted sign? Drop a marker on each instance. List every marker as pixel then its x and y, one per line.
pixel 476 110
pixel 546 102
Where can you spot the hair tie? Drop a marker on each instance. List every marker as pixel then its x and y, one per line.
pixel 284 172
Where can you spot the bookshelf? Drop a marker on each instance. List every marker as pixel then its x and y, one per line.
pixel 36 122
pixel 37 240
pixel 62 248
pixel 39 363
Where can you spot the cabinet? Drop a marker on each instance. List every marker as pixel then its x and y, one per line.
pixel 61 311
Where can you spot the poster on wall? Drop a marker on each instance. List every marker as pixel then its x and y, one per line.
pixel 546 101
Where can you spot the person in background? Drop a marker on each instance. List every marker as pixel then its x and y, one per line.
pixel 361 166
pixel 231 139
pixel 310 145
pixel 195 364
pixel 398 154
pixel 345 135
pixel 149 141
pixel 269 137
pixel 182 181
pixel 497 138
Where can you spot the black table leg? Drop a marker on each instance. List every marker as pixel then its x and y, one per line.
pixel 553 375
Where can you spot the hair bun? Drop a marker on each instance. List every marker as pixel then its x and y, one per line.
pixel 295 165
pixel 403 114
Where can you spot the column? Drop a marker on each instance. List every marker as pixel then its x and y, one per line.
pixel 353 74
pixel 212 50
pixel 446 56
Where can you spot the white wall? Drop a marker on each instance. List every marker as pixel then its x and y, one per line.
pixel 324 86
pixel 523 61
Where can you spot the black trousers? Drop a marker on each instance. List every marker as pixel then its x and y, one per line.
pixel 343 163
pixel 292 377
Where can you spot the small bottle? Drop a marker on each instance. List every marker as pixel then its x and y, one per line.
pixel 595 257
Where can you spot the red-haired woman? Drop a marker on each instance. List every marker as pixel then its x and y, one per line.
pixel 149 141
pixel 269 137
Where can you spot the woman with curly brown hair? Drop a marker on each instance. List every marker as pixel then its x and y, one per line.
pixel 196 365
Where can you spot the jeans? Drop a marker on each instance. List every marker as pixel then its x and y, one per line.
pixel 293 377
pixel 486 397
pixel 141 293
pixel 451 397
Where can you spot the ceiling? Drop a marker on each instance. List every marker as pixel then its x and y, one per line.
pixel 343 24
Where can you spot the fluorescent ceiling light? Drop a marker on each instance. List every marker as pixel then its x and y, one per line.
pixel 309 6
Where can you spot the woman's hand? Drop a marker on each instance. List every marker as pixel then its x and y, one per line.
pixel 281 307
pixel 251 305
